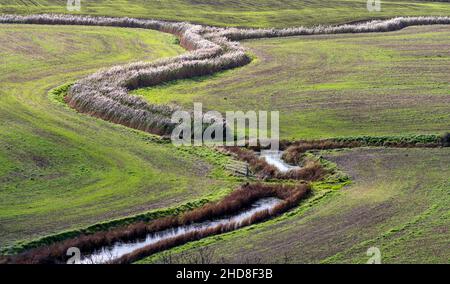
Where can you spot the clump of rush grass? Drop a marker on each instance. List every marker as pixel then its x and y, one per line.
pixel 393 24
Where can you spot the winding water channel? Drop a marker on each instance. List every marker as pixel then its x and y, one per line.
pixel 119 249
pixel 274 158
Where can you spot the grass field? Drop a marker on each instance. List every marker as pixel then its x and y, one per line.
pixel 61 170
pixel 249 13
pixel 396 203
pixel 335 85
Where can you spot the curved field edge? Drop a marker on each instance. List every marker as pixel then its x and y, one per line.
pixel 244 13
pixel 61 170
pixel 396 202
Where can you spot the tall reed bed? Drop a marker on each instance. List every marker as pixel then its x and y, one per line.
pixel 235 202
pixel 294 151
pixel 105 93
pixel 389 25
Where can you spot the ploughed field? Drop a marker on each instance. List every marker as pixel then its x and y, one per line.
pixel 397 202
pixel 247 13
pixel 334 85
pixel 60 170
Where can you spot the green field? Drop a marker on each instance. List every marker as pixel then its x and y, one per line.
pixel 248 13
pixel 61 170
pixel 336 85
pixel 398 202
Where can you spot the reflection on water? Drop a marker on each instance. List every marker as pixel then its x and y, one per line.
pixel 119 249
pixel 274 158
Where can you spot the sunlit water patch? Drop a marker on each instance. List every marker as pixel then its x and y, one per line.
pixel 274 158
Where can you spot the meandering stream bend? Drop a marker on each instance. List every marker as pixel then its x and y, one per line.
pixel 119 249
pixel 274 158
